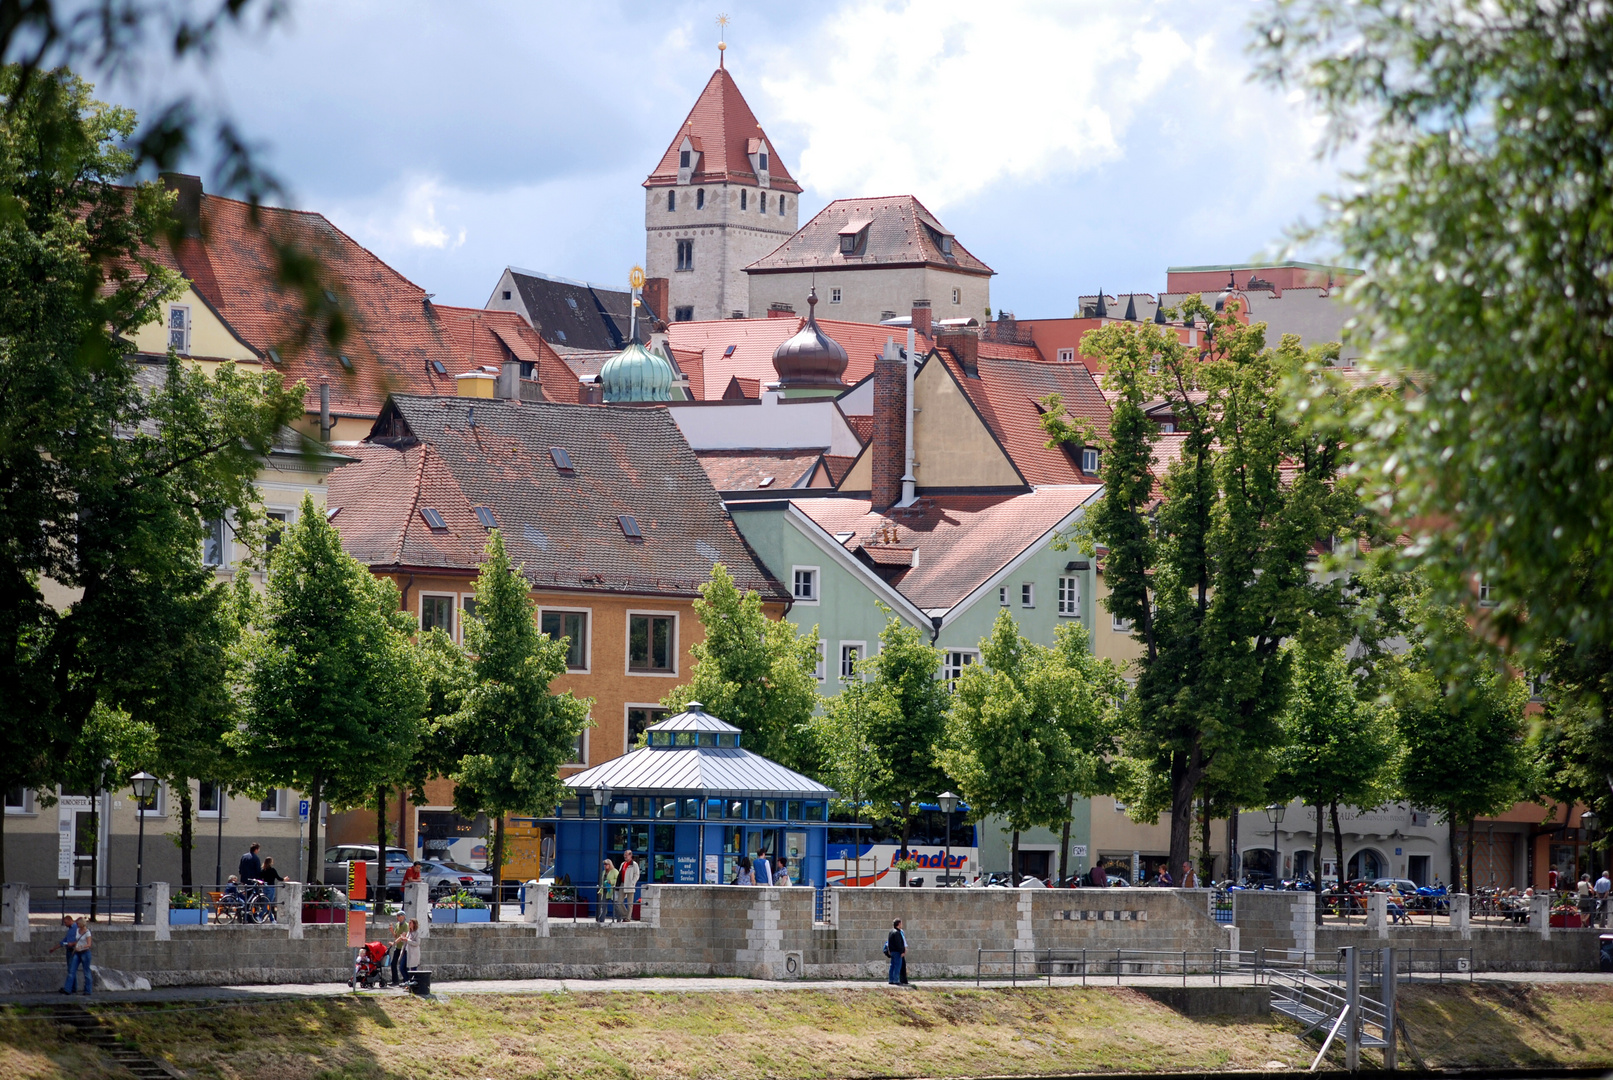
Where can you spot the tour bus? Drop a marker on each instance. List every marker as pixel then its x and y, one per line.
pixel 865 853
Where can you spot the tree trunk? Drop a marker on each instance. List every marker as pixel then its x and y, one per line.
pixel 1234 857
pixel 1013 861
pixel 1469 888
pixel 1206 861
pixel 2 843
pixel 1186 771
pixel 218 855
pixel 314 860
pixel 403 812
pixel 1064 841
pixel 1456 859
pixel 1338 839
pixel 498 868
pixel 1316 865
pixel 187 836
pixel 380 854
pixel 901 853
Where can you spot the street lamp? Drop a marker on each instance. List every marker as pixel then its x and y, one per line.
pixel 145 785
pixel 601 797
pixel 949 803
pixel 1274 814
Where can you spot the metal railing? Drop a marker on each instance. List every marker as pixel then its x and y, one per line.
pixel 1038 965
pixel 822 905
pixel 98 903
pixel 1221 906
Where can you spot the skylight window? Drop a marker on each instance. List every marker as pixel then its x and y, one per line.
pixel 561 334
pixel 346 363
pixel 331 512
pixel 274 357
pixel 432 518
pixel 728 351
pixel 562 461
pixel 629 526
pixel 765 482
pixel 571 302
pixel 484 514
pixel 436 365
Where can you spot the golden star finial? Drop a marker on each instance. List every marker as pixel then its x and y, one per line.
pixel 722 44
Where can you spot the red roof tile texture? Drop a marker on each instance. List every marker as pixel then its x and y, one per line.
pixel 562 528
pixel 722 129
pixel 755 340
pixel 746 470
pixel 900 232
pixel 961 541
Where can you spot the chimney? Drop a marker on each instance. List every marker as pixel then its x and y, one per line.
pixel 778 309
pixel 324 412
pixel 654 295
pixel 188 208
pixel 889 447
pixel 921 317
pixel 964 344
pixel 590 392
pixel 509 381
pixel 1007 329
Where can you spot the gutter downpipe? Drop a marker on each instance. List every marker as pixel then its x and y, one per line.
pixel 908 480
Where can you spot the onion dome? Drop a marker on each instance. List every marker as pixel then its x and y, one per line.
pixel 811 360
pixel 636 374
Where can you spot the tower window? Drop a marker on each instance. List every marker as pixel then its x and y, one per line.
pixel 683 159
pixel 764 203
pixel 685 254
pixel 700 199
pixel 671 201
pixel 742 194
pixel 781 206
pixel 957 295
pixel 834 295
pixel 506 294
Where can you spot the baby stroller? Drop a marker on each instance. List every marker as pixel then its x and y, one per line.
pixel 369 970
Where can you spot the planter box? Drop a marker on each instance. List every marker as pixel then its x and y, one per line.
pixel 570 909
pixel 1568 920
pixel 463 915
pixel 187 916
pixel 319 913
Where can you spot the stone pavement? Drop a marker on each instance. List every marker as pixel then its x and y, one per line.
pixel 700 985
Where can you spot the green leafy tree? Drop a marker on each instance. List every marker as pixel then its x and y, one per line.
pixel 754 672
pixel 1211 568
pixel 1483 215
pixel 1026 729
pixel 844 739
pixel 1335 748
pixel 510 735
pixel 908 666
pixel 1463 732
pixel 107 468
pixel 333 692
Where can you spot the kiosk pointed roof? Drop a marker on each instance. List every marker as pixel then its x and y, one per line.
pixel 723 131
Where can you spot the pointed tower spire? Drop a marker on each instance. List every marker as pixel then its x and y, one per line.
pixel 1131 307
pixel 1159 311
pixel 1103 308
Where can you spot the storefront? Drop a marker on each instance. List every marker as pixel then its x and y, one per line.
pixel 688 805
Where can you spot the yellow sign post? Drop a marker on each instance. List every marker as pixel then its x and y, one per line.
pixel 357 910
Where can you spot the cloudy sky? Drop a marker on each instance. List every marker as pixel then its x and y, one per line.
pixel 1068 144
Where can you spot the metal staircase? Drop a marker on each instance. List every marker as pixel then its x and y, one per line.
pixel 1340 1004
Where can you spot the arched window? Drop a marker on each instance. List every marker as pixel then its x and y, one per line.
pixel 742 194
pixel 700 199
pixel 764 203
pixel 781 206
pixel 671 201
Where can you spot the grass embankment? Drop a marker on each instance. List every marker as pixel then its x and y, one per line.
pixel 794 1034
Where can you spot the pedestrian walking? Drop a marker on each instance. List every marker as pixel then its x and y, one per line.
pixel 69 939
pixel 896 949
pixel 1604 886
pixel 409 942
pixel 761 868
pixel 400 934
pixel 1190 880
pixel 744 875
pixel 607 890
pixel 270 876
pixel 628 888
pixel 251 868
pixel 81 959
pixel 781 873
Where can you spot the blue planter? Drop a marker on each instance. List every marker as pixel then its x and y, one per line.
pixel 464 915
pixel 187 916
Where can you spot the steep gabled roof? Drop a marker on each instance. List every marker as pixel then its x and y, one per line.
pixel 900 232
pixel 565 529
pixel 760 470
pixel 574 314
pixel 478 337
pixel 721 127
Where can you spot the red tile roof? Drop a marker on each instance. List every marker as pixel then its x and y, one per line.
pixel 960 541
pixel 563 529
pixel 477 337
pixel 754 341
pixel 721 126
pixel 746 470
pixel 901 232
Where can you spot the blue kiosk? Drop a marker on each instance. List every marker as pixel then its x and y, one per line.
pixel 689 804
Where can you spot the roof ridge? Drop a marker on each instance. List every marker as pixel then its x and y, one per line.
pixel 414 501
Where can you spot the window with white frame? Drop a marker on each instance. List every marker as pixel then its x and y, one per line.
pixel 1070 597
pixel 1091 459
pixel 1066 356
pixel 179 328
pixel 215 545
pixel 953 663
pixel 274 527
pixel 208 797
pixel 806 584
pixel 1119 625
pixel 834 296
pixel 957 296
pixel 156 806
pixel 467 607
pixel 273 804
pixel 821 671
pixel 1486 594
pixel 573 626
pixel 850 653
pixel 437 613
pixel 1027 594
pixel 1002 595
pixel 579 749
pixel 652 644
pixel 17 799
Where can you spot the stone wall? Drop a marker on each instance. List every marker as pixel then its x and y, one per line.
pixel 1493 948
pixel 698 930
pixel 1279 921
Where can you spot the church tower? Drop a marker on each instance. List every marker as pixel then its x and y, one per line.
pixel 719 200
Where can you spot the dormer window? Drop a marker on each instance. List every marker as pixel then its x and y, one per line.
pixel 854 237
pixel 762 161
pixel 683 158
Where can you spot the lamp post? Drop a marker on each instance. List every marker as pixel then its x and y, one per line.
pixel 601 797
pixel 144 785
pixel 949 803
pixel 1274 814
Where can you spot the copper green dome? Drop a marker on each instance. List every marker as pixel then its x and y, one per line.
pixel 636 374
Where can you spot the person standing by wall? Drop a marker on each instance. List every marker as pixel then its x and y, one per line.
pixel 81 959
pixel 607 888
pixel 1603 889
pixel 629 887
pixel 896 948
pixel 251 868
pixel 69 939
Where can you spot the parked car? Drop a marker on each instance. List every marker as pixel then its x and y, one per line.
pixel 337 858
pixel 1403 886
pixel 443 877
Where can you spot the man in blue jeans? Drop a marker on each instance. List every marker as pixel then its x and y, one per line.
pixel 896 946
pixel 80 958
